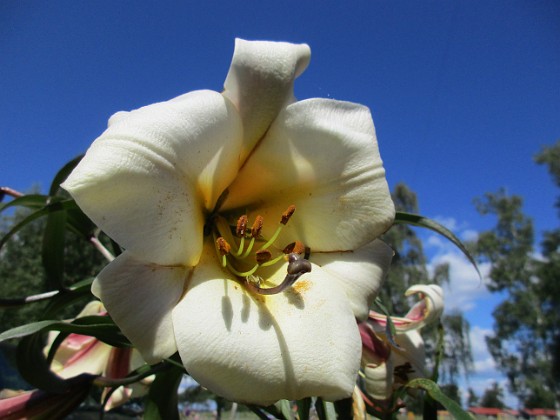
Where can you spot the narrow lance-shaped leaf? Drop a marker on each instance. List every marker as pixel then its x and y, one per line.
pixel 51 207
pixel 33 366
pixel 162 400
pixel 62 174
pixel 421 221
pixel 100 327
pixel 31 201
pixel 435 392
pixel 53 249
pixel 303 407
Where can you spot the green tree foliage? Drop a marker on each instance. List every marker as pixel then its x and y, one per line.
pixel 526 339
pixel 493 397
pixel 472 398
pixel 22 273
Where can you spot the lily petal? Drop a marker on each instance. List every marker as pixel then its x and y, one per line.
pixel 411 354
pixel 379 378
pixel 139 297
pixel 320 155
pixel 360 272
pixel 260 82
pixel 148 178
pixel 92 359
pixel 429 308
pixel 424 312
pixel 258 349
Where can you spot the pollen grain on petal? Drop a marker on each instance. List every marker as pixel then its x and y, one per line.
pixel 287 214
pixel 223 247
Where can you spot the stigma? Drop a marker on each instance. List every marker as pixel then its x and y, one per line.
pixel 243 252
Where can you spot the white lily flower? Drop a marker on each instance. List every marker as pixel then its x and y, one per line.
pixel 387 367
pixel 178 185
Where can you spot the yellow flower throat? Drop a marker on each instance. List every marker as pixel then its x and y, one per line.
pixel 236 256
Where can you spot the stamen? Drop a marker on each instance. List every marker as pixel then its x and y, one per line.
pixel 245 273
pixel 263 256
pixel 223 248
pixel 249 248
pixel 257 226
pixel 287 214
pixel 274 261
pixel 296 247
pixel 255 232
pixel 241 226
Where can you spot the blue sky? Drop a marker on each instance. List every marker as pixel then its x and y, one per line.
pixel 463 94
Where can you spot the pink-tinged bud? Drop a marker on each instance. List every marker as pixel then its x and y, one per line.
pixel 118 365
pixel 43 404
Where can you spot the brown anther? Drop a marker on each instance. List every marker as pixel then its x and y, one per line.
pixel 223 247
pixel 296 247
pixel 263 256
pixel 241 226
pixel 257 226
pixel 287 214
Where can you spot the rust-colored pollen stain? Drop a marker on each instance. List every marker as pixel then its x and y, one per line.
pixel 257 226
pixel 287 214
pixel 223 247
pixel 301 286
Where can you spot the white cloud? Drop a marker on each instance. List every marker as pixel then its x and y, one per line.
pixel 483 361
pixel 465 288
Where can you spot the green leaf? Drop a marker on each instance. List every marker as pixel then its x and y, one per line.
pixel 390 330
pixel 162 400
pixel 258 411
pixel 52 253
pixel 325 409
pixel 31 201
pixel 48 208
pixel 303 407
pixel 60 301
pixel 63 173
pixel 435 392
pixel 439 351
pixel 421 221
pixel 344 409
pixel 100 327
pixel 33 366
pixel 285 408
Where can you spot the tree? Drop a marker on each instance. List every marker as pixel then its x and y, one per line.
pixel 526 339
pixel 493 397
pixel 22 273
pixel 472 398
